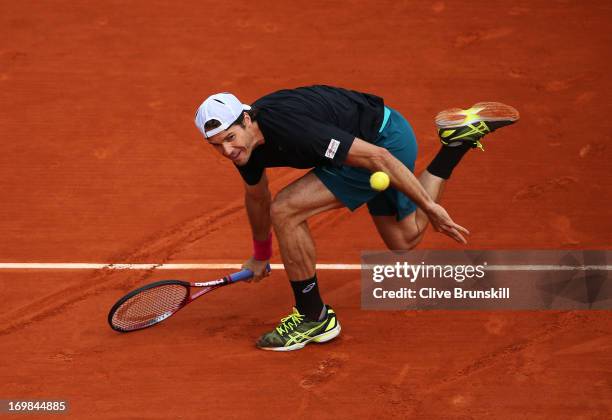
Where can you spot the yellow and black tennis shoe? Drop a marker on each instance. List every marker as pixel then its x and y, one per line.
pixel 295 331
pixel 460 126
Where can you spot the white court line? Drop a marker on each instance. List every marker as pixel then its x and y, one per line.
pixel 547 267
pixel 232 266
pixel 100 266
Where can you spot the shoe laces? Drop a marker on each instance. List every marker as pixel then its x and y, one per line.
pixel 483 129
pixel 290 322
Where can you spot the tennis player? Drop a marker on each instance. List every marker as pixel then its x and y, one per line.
pixel 344 136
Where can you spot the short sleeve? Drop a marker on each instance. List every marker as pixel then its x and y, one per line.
pixel 327 142
pixel 251 172
pixel 313 142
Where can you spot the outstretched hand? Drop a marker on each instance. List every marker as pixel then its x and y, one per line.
pixel 259 269
pixel 442 222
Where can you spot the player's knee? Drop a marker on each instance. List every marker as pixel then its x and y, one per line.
pixel 404 242
pixel 412 242
pixel 280 211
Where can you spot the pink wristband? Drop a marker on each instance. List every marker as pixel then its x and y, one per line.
pixel 262 250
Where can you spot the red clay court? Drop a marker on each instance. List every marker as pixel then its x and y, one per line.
pixel 101 163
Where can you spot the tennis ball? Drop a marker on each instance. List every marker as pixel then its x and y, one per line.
pixel 379 181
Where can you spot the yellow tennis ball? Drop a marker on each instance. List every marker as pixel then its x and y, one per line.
pixel 379 181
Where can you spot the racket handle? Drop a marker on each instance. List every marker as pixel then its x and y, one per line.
pixel 243 275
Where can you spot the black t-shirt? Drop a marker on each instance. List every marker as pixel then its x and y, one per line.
pixel 311 127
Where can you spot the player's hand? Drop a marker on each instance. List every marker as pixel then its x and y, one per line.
pixel 442 222
pixel 259 269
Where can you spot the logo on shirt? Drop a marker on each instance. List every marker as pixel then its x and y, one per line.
pixel 332 148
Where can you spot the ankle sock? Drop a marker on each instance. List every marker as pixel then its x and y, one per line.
pixel 307 298
pixel 446 160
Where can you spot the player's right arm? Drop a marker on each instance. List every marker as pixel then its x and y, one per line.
pixel 257 200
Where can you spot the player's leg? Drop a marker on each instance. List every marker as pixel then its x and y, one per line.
pixel 322 189
pixel 400 224
pixel 290 211
pixel 406 231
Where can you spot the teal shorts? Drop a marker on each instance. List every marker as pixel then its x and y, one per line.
pixel 351 185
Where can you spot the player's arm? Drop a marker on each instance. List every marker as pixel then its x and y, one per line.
pixel 366 155
pixel 257 199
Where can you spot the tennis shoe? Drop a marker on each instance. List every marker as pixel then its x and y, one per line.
pixel 468 126
pixel 295 331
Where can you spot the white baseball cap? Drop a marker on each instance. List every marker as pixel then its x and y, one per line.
pixel 223 107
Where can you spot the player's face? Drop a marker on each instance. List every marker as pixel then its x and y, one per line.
pixel 236 143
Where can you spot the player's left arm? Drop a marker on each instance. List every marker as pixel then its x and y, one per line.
pixel 366 155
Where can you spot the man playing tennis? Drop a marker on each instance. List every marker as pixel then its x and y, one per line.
pixel 345 136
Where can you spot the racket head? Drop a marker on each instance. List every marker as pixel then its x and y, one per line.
pixel 148 305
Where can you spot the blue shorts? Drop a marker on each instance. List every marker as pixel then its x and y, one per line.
pixel 351 185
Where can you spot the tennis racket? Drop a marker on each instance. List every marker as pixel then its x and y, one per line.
pixel 155 302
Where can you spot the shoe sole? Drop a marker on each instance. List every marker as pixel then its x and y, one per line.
pixel 482 111
pixel 321 338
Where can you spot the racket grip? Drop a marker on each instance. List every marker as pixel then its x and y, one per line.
pixel 243 275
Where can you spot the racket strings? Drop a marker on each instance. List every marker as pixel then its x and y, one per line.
pixel 150 306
